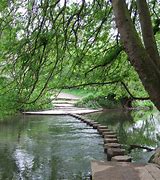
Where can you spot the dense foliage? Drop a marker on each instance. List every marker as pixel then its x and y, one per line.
pixel 47 45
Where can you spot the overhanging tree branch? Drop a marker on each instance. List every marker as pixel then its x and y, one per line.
pixel 106 83
pixel 110 57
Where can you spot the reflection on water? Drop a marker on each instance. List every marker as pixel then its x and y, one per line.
pixel 47 147
pixel 136 127
pixel 61 147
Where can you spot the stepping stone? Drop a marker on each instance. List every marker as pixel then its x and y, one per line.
pixel 102 127
pixel 110 136
pixel 111 145
pixel 111 152
pixel 110 140
pixel 106 131
pixel 91 123
pixel 109 132
pixel 95 126
pixel 77 116
pixel 88 121
pixel 84 120
pixel 102 130
pixel 124 158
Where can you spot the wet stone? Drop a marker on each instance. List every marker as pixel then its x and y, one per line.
pixel 106 131
pixel 91 123
pixel 111 152
pixel 110 136
pixel 124 158
pixel 88 122
pixel 109 132
pixel 95 126
pixel 112 145
pixel 102 130
pixel 110 140
pixel 102 127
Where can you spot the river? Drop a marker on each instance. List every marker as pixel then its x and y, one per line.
pixel 47 148
pixel 62 147
pixel 140 128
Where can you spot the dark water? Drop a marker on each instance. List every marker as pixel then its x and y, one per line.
pixel 47 148
pixel 133 128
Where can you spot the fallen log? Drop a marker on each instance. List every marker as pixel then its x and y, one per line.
pixel 134 146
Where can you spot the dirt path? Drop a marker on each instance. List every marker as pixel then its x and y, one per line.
pixel 63 104
pixel 67 96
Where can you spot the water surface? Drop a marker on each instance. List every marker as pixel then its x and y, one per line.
pixel 133 128
pixel 47 147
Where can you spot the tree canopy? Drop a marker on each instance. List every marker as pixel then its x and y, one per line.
pixel 55 44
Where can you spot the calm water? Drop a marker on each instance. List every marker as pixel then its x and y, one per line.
pixel 61 147
pixel 133 128
pixel 47 148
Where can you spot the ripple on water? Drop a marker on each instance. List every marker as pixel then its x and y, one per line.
pixel 48 147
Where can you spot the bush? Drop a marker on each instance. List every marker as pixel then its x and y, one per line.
pixel 98 101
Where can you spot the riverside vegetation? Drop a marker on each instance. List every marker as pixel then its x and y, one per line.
pixel 49 45
pixel 108 47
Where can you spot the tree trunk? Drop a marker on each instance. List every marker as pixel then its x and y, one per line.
pixel 148 72
pixel 147 32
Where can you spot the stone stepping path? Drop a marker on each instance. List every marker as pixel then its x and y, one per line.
pixel 111 145
pixel 118 166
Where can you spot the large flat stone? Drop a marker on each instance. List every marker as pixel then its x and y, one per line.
pixel 123 171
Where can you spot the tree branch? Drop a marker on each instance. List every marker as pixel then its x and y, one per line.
pixel 106 83
pixel 109 58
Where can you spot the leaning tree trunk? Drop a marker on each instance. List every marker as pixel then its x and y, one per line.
pixel 139 56
pixel 147 32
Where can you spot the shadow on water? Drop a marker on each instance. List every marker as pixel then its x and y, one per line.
pixel 47 148
pixel 140 128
